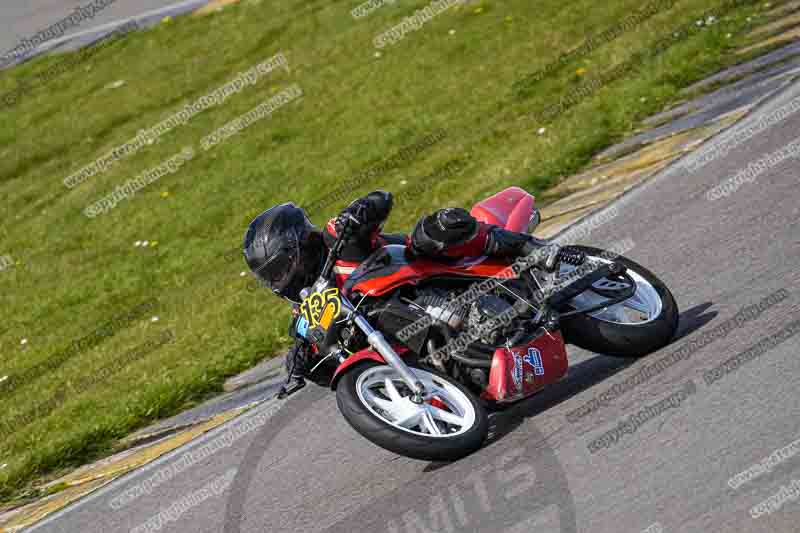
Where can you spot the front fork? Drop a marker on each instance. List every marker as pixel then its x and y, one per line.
pixel 376 339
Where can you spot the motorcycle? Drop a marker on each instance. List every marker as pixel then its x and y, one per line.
pixel 419 350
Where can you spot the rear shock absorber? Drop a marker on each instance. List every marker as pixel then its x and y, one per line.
pixel 571 256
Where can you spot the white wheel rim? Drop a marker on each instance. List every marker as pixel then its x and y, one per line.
pixel 381 390
pixel 644 306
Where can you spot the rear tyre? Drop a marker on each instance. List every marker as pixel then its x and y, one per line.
pixel 450 424
pixel 607 333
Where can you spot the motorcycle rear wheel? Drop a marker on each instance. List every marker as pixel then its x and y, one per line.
pixel 451 423
pixel 614 331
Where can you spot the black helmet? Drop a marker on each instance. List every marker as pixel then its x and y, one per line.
pixel 284 250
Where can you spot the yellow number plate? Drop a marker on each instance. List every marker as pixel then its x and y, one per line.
pixel 322 308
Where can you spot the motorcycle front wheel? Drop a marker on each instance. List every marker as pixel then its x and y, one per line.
pixel 449 424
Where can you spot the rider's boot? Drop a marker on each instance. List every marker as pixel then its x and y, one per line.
pixel 504 243
pixel 293 384
pixel 296 370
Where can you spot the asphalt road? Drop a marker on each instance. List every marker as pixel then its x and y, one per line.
pixel 305 470
pixel 20 19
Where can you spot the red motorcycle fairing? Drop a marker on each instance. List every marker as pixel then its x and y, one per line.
pixel 366 354
pixel 342 270
pixel 525 369
pixel 391 267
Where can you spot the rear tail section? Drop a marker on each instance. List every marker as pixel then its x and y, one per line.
pixel 511 209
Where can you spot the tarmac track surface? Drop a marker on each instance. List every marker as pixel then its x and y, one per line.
pixel 23 19
pixel 303 469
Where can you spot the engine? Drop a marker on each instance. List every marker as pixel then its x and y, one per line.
pixel 484 310
pixel 474 316
pixel 437 303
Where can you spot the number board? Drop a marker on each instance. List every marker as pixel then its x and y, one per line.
pixel 322 308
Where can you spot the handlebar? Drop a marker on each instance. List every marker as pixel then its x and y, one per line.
pixel 348 224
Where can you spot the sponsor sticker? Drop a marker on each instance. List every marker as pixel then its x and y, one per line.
pixel 516 374
pixel 534 358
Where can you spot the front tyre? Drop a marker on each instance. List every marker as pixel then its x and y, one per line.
pixel 635 327
pixel 448 425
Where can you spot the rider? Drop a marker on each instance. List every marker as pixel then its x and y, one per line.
pixel 287 252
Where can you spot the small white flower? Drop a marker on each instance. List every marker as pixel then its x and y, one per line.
pixel 115 85
pixel 541 131
pixel 699 22
pixel 23 341
pixel 452 32
pixel 3 379
pixel 154 319
pixel 643 99
pixel 243 273
pixel 2 466
pixel 403 182
pixel 711 20
pixel 377 54
pixel 728 36
pixel 145 243
pixel 137 243
pixel 749 19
